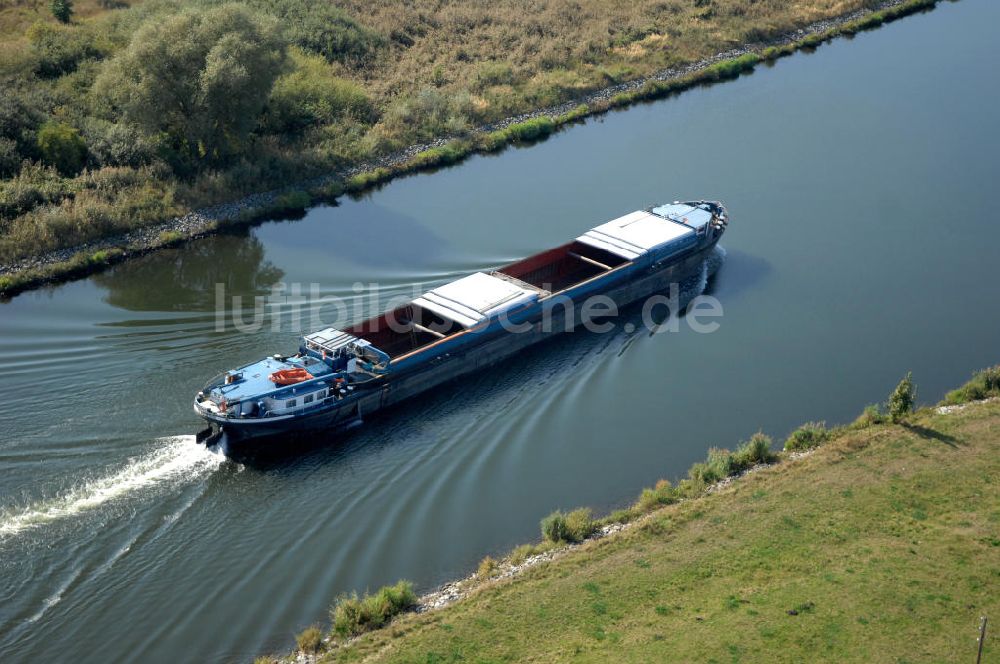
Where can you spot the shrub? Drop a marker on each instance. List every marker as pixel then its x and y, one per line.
pixel 579 525
pixel 661 494
pixel 118 144
pixel 984 384
pixel 807 436
pixel 574 115
pixel 60 49
pixel 622 99
pixel 903 399
pixel 323 28
pixel 621 516
pixel 870 416
pixel 353 615
pixel 62 10
pixel 310 640
pixel 449 153
pixel 62 147
pixel 752 452
pixel 310 95
pixel 291 201
pixel 202 77
pixel 554 527
pixel 731 68
pixel 367 179
pixel 530 130
pixel 487 568
pixel 10 159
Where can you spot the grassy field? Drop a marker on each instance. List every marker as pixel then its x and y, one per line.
pixel 882 545
pixel 133 112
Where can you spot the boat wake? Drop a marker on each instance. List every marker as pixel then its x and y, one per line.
pixel 175 458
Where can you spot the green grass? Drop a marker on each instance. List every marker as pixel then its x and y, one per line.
pixel 806 437
pixel 882 545
pixel 353 615
pixel 983 385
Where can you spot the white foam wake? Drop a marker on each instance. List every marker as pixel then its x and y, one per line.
pixel 176 458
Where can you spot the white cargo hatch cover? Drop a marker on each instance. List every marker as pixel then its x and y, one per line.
pixel 634 234
pixel 474 298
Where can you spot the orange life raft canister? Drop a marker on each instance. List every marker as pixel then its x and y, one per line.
pixel 289 376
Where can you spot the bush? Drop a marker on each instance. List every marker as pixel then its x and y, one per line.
pixel 449 153
pixel 62 10
pixel 10 159
pixel 574 115
pixel 573 527
pixel 731 68
pixel 579 525
pixel 807 436
pixel 752 452
pixel 869 417
pixel 353 615
pixel 554 527
pixel 487 567
pixel 310 640
pixel 530 130
pixel 984 384
pixel 721 464
pixel 118 144
pixel 291 202
pixel 718 466
pixel 60 49
pixel 324 29
pixel 201 77
pixel 367 179
pixel 62 146
pixel 661 494
pixel 310 95
pixel 903 399
pixel 34 185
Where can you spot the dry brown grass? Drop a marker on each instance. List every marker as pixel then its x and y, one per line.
pixel 569 44
pixel 16 16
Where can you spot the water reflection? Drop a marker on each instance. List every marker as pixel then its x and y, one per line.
pixel 184 279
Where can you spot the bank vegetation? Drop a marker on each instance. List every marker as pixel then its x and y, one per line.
pixel 117 115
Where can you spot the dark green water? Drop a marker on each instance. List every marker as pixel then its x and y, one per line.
pixel 861 183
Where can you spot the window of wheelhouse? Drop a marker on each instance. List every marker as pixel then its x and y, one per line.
pixel 563 267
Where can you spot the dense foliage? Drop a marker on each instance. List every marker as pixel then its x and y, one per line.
pixel 206 100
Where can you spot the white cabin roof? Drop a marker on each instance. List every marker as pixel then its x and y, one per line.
pixel 329 339
pixel 634 234
pixel 474 298
pixel 692 215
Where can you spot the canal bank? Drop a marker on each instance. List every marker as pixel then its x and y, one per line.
pixel 92 257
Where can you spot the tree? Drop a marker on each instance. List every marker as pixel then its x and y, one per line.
pixel 62 10
pixel 200 78
pixel 62 146
pixel 903 399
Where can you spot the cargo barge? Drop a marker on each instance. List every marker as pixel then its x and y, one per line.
pixel 339 377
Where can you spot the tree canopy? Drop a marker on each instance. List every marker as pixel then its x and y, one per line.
pixel 199 79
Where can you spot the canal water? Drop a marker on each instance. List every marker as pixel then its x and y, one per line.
pixel 860 180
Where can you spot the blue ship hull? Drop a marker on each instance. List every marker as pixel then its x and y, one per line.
pixel 449 359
